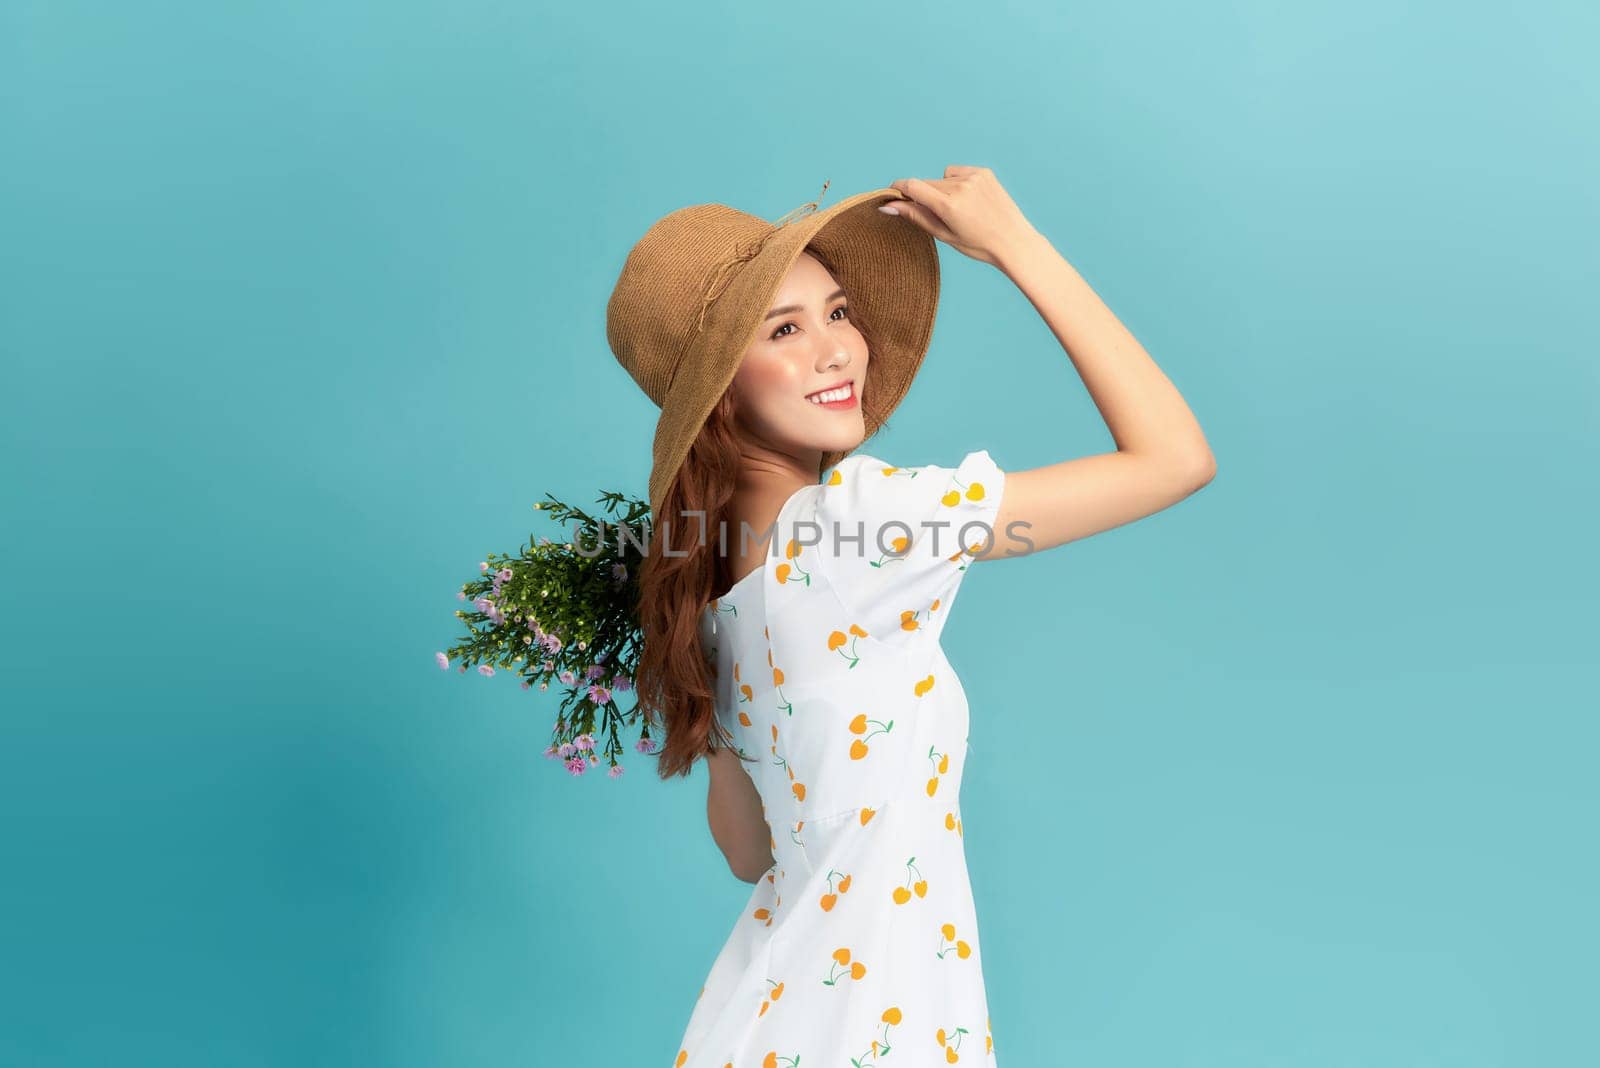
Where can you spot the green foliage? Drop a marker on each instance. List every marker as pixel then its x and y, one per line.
pixel 567 610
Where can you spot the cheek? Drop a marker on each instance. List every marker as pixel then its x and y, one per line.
pixel 765 380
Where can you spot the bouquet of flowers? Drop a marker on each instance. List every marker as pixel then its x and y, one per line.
pixel 565 613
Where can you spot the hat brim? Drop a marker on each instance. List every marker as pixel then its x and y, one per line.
pixel 890 268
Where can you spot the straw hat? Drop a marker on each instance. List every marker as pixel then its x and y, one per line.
pixel 695 289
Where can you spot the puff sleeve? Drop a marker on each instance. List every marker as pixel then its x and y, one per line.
pixel 896 542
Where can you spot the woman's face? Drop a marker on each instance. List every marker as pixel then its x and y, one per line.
pixel 807 345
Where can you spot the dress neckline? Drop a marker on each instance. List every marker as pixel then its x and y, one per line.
pixel 775 544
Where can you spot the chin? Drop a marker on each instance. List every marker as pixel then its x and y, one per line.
pixel 845 442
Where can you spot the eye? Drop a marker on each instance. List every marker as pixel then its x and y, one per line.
pixel 841 308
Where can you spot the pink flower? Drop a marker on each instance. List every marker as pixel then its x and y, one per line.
pixel 505 574
pixel 482 566
pixel 616 771
pixel 622 682
pixel 643 745
pixel 594 671
pixel 567 749
pixel 584 741
pixel 544 686
pixel 485 670
pixel 526 684
pixel 577 765
pixel 567 679
pixel 551 753
pixel 599 694
pixel 444 661
pixel 461 595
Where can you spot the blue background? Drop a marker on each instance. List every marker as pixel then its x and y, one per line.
pixel 302 306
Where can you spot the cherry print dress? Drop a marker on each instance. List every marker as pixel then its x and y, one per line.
pixel 859 946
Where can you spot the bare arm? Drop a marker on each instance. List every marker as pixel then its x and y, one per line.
pixel 733 808
pixel 1161 455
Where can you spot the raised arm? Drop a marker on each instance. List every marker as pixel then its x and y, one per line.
pixel 1161 455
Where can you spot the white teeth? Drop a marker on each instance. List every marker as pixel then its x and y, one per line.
pixel 831 395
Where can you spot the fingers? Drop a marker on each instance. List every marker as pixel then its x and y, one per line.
pixel 924 218
pixel 926 190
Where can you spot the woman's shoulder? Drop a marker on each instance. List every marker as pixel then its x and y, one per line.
pixel 866 482
pixel 897 540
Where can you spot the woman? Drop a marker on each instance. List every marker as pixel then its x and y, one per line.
pixel 804 662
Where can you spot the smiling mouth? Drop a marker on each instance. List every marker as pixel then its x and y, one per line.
pixel 834 395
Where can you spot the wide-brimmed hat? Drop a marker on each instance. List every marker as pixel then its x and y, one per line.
pixel 696 288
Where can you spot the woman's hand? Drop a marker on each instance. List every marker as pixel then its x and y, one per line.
pixel 967 209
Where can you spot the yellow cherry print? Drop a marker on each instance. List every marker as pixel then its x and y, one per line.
pixel 858 725
pixel 902 894
pixel 948 935
pixel 943 766
pixel 791 571
pixel 854 969
pixel 838 639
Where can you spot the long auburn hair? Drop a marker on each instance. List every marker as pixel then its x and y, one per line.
pixel 682 573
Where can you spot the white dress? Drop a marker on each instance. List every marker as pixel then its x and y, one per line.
pixel 859 946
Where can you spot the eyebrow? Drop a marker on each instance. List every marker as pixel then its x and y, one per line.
pixel 787 308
